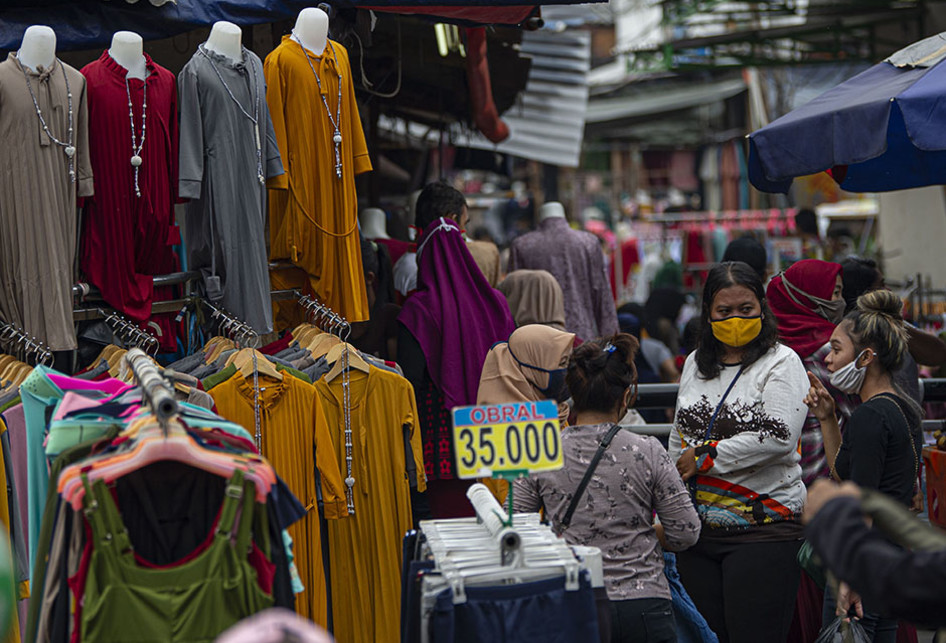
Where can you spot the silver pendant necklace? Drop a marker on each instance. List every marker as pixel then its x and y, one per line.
pixel 346 401
pixel 337 121
pixel 68 147
pixel 256 109
pixel 136 149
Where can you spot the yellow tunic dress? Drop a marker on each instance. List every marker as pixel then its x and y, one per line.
pixel 296 440
pixel 313 214
pixel 365 549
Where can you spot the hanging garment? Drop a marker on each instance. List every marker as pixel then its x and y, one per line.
pixel 296 440
pixel 41 391
pixel 225 224
pixel 314 213
pixel 578 265
pixel 38 199
pixel 365 549
pixel 126 239
pixel 191 602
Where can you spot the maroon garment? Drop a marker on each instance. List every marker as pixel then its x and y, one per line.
pixel 126 239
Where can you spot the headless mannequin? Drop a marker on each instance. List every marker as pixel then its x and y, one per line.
pixel 226 39
pixel 128 51
pixel 311 30
pixel 38 48
pixel 373 224
pixel 552 210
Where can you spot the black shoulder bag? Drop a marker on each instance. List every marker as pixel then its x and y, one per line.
pixel 566 520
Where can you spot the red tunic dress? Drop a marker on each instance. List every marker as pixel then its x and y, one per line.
pixel 126 238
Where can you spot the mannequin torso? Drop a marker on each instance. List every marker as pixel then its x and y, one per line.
pixel 373 224
pixel 552 210
pixel 311 30
pixel 38 48
pixel 127 50
pixel 226 39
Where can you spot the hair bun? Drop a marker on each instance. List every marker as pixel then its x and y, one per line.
pixel 881 302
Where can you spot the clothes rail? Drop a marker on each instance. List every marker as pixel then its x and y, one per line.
pixel 156 389
pixel 231 326
pixel 23 345
pixel 129 333
pixel 324 317
pixel 720 216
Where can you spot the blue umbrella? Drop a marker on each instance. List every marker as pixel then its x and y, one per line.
pixel 882 130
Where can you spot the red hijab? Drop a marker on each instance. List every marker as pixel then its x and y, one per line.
pixel 799 326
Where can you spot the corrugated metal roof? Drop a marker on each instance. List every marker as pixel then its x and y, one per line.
pixel 548 120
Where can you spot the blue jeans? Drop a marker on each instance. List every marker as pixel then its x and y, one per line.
pixel 879 628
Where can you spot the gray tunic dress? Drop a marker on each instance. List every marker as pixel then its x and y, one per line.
pixel 38 200
pixel 225 223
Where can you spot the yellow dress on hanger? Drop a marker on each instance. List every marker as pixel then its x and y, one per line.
pixel 313 214
pixel 296 440
pixel 365 550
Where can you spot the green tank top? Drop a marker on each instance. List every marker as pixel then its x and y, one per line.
pixel 189 603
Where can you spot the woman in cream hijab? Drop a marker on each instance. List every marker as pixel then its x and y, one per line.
pixel 531 366
pixel 534 297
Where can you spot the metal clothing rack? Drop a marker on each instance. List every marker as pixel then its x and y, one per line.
pixel 228 325
pixel 129 333
pixel 156 390
pixel 324 317
pixel 22 345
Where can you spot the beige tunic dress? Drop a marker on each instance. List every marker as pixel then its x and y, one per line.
pixel 38 199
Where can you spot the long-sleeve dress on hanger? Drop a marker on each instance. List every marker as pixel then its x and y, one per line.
pixel 313 212
pixel 365 548
pixel 296 440
pixel 225 226
pixel 38 199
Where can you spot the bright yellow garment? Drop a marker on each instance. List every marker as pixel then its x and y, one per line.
pixel 296 440
pixel 365 549
pixel 313 215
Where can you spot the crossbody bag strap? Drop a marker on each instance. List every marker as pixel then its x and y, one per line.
pixel 566 520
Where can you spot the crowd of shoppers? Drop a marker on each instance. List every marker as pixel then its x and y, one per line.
pixel 784 383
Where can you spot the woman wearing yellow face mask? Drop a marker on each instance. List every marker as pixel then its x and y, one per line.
pixel 737 425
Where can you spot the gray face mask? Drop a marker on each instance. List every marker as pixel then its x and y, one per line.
pixel 832 310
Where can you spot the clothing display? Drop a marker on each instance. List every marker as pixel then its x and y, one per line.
pixel 577 262
pixel 313 207
pixel 128 228
pixel 47 168
pixel 227 151
pixel 387 463
pixel 172 530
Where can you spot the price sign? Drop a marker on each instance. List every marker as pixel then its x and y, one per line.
pixel 523 437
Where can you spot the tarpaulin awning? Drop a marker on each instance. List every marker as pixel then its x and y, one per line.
pixel 89 24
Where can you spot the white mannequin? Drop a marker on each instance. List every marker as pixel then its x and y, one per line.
pixel 128 51
pixel 551 210
pixel 38 48
pixel 373 223
pixel 311 30
pixel 226 39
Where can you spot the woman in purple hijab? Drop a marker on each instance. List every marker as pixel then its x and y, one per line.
pixel 446 328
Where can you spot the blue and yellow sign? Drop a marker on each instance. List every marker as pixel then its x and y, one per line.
pixel 523 437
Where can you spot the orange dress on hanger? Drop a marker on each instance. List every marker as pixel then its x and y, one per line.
pixel 365 549
pixel 295 439
pixel 313 214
